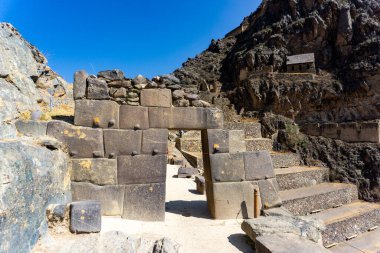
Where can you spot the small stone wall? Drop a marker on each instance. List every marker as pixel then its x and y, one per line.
pixel 349 132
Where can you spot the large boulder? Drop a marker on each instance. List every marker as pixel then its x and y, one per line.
pixel 32 177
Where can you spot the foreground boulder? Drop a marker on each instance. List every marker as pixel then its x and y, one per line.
pixel 32 177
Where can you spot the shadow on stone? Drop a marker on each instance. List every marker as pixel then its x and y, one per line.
pixel 195 192
pixel 241 242
pixel 68 119
pixel 196 208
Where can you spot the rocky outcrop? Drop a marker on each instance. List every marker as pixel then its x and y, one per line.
pixel 32 177
pixel 27 84
pixel 33 171
pixel 345 37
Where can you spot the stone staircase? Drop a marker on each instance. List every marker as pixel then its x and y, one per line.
pixel 306 191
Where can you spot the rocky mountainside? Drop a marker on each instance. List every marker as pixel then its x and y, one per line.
pixel 343 34
pixel 250 63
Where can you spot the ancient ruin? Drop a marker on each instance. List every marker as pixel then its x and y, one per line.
pixel 267 141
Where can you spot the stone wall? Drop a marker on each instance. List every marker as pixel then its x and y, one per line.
pixel 349 131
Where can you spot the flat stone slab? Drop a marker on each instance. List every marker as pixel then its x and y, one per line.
pixel 227 167
pixel 141 169
pixel 366 242
pixel 251 129
pixel 218 141
pixel 258 165
pixel 284 243
pixel 96 113
pixel 231 200
pixel 122 142
pixel 307 227
pixel 145 202
pixel 301 176
pixel 96 171
pixel 185 118
pixel 31 127
pixel 82 142
pixel 237 142
pixel 155 141
pixel 134 117
pixel 111 197
pixel 187 172
pixel 156 97
pixel 97 89
pixel 85 217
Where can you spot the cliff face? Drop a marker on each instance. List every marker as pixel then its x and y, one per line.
pixel 343 34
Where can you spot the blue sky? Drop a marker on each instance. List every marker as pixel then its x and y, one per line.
pixel 148 37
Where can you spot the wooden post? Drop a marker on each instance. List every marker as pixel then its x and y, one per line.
pixel 256 212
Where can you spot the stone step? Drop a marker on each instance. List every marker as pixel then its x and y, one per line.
pixel 303 201
pixel 285 159
pixel 257 144
pixel 301 176
pixel 349 220
pixel 251 129
pixel 366 242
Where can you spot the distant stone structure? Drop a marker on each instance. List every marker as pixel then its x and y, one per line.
pixel 301 63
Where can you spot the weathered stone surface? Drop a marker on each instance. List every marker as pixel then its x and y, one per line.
pixel 269 193
pixel 112 75
pixel 31 127
pixel 231 200
pixel 141 169
pixel 144 202
pixel 118 92
pixel 85 217
pixel 80 84
pixel 121 83
pixel 218 141
pixel 178 94
pixel 259 144
pixel 122 142
pixel 258 165
pixel 96 171
pixel 277 243
pixel 155 141
pixel 251 129
pixel 160 117
pixel 139 79
pixel 95 113
pixel 32 177
pixel 111 197
pixel 181 103
pixel 285 159
pixel 82 142
pixel 236 141
pixel 97 88
pixel 156 97
pixel 132 117
pixel 227 167
pixel 301 176
pixel 308 228
pixel 186 172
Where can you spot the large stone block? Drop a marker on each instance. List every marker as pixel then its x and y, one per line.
pixel 251 129
pixel 134 117
pixel 80 84
pixel 227 167
pixel 145 202
pixel 258 165
pixel 156 97
pixel 330 130
pixel 31 127
pixel 269 193
pixel 370 132
pixel 96 171
pixel 97 89
pixel 82 142
pixel 311 129
pixel 349 132
pixel 141 169
pixel 233 200
pixel 236 141
pixel 122 142
pixel 85 217
pixel 155 141
pixel 218 141
pixel 111 197
pixel 185 118
pixel 96 113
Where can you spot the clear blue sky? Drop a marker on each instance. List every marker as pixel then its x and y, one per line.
pixel 147 37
